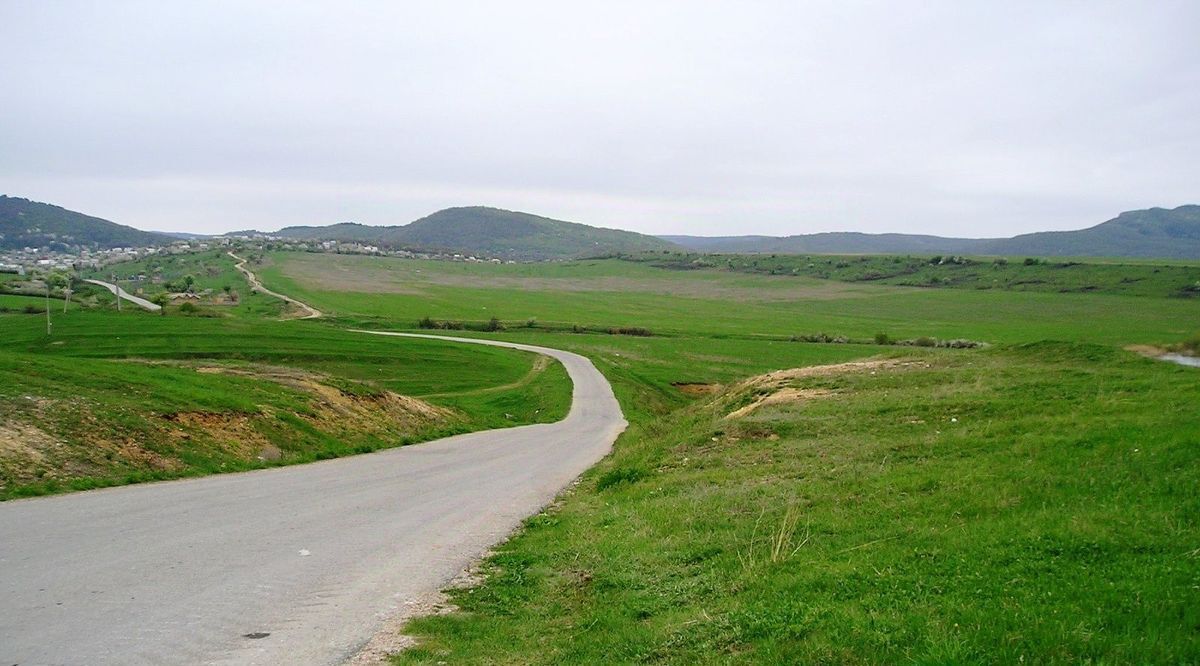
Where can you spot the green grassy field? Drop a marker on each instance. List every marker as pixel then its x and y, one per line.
pixel 1132 277
pixel 32 304
pixel 114 398
pixel 1034 501
pixel 606 293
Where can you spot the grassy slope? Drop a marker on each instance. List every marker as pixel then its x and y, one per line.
pixel 1131 277
pixel 88 386
pixel 1053 519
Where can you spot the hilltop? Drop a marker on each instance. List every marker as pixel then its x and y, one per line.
pixel 491 232
pixel 1155 232
pixel 25 223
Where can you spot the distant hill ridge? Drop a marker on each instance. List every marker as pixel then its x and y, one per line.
pixel 1154 232
pixel 25 223
pixel 492 232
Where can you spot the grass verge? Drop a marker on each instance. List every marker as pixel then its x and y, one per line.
pixel 1031 503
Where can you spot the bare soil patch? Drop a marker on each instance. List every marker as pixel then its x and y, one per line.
pixel 773 388
pixel 697 389
pixel 398 276
pixel 782 396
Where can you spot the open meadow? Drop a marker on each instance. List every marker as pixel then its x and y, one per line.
pixel 795 485
pixel 1034 499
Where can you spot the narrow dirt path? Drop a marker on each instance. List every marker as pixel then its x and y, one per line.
pixel 255 284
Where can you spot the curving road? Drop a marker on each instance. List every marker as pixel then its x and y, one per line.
pixel 317 557
pixel 121 293
pixel 309 311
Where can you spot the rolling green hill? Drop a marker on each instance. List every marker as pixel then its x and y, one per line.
pixel 491 232
pixel 1156 232
pixel 25 223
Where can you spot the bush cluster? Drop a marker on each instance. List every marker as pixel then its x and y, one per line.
pixel 630 330
pixel 28 309
pixel 821 337
pixel 882 338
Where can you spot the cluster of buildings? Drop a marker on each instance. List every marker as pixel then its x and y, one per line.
pixel 352 247
pixel 31 259
pixel 23 261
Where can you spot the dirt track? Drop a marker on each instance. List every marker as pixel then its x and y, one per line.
pixel 310 311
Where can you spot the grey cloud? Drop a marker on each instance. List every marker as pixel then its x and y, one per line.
pixel 715 118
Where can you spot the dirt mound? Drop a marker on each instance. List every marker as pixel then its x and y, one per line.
pixel 774 388
pixel 782 396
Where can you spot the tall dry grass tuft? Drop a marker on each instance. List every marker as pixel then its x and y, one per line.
pixel 779 544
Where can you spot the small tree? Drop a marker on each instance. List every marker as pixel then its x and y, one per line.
pixel 494 325
pixel 161 300
pixel 189 281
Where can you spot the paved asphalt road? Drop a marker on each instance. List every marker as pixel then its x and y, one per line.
pixel 317 556
pixel 121 293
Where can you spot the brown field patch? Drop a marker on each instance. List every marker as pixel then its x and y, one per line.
pixel 381 275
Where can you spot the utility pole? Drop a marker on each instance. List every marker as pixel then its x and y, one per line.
pixel 47 305
pixel 66 296
pixel 117 293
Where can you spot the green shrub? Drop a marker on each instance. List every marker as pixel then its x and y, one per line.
pixel 618 476
pixel 630 330
pixel 883 339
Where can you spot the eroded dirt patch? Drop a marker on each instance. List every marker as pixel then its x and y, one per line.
pixel 234 433
pixel 774 388
pixel 696 389
pixel 1149 351
pixel 780 397
pixel 22 441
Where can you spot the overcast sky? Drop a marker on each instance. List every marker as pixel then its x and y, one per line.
pixel 954 118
